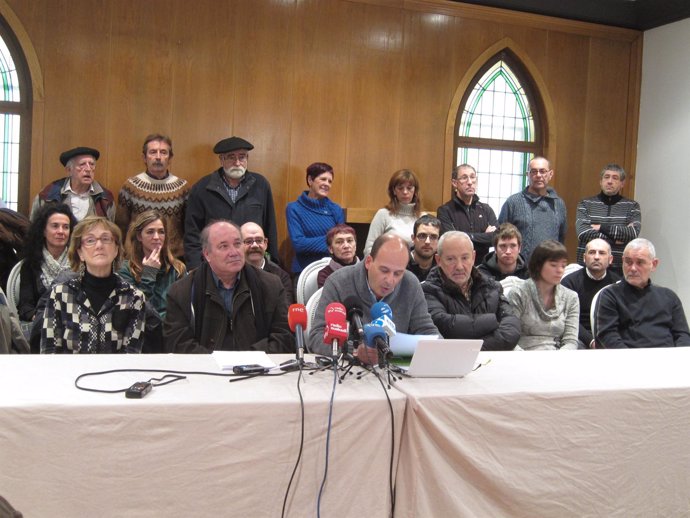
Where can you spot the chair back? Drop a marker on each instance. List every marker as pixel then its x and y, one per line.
pixel 571 268
pixel 13 286
pixel 312 304
pixel 511 282
pixel 307 282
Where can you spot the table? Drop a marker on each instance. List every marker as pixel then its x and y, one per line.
pixel 198 447
pixel 550 434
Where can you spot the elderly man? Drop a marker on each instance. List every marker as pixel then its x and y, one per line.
pixel 463 303
pixel 636 313
pixel 608 216
pixel 255 245
pixel 382 276
pixel 587 281
pixel 466 213
pixel 231 192
pixel 79 190
pixel 342 245
pixel 225 304
pixel 425 234
pixel 158 189
pixel 506 259
pixel 538 212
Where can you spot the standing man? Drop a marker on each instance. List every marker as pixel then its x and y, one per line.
pixel 636 313
pixel 538 212
pixel 608 216
pixel 79 190
pixel 158 189
pixel 225 304
pixel 506 259
pixel 587 281
pixel 425 234
pixel 255 245
pixel 231 192
pixel 466 213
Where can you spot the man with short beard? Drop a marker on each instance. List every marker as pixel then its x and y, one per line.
pixel 425 234
pixel 231 192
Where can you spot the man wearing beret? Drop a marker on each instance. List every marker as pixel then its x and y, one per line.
pixel 233 193
pixel 79 190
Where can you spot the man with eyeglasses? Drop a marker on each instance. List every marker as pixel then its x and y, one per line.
pixel 79 190
pixel 466 213
pixel 425 234
pixel 608 216
pixel 233 193
pixel 537 211
pixel 255 245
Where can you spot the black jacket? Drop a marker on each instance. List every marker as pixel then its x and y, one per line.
pixel 489 267
pixel 471 219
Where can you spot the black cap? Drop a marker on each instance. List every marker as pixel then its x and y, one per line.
pixel 66 156
pixel 231 144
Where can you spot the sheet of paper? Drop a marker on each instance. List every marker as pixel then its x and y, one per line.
pixel 403 344
pixel 228 359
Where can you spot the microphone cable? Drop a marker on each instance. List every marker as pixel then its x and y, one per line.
pixel 328 438
pixel 301 440
pixel 390 468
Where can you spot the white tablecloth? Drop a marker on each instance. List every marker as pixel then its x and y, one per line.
pixel 198 447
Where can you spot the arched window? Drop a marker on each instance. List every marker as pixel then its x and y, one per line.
pixel 15 121
pixel 498 128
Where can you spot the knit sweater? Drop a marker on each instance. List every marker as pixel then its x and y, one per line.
pixel 168 196
pixel 384 221
pixel 308 221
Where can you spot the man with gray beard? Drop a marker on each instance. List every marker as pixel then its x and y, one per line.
pixel 233 193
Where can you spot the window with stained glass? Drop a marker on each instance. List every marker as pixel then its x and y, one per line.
pixel 498 129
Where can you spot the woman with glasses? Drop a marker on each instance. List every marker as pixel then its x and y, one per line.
pixel 549 312
pixel 150 265
pixel 311 216
pixel 402 210
pixel 94 311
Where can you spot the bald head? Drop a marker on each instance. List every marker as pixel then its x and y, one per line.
pixel 386 264
pixel 598 257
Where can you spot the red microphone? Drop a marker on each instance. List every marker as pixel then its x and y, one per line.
pixel 335 331
pixel 297 320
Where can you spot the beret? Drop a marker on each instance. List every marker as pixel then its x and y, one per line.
pixel 66 156
pixel 231 144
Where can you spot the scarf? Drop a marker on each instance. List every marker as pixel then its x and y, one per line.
pixel 51 267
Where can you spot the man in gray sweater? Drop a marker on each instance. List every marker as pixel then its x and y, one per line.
pixel 382 276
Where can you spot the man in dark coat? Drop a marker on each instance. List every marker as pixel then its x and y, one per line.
pixel 225 304
pixel 233 193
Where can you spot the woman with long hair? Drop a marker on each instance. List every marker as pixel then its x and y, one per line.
pixel 402 210
pixel 150 265
pixel 45 255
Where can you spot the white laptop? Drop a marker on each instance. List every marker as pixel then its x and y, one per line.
pixel 444 358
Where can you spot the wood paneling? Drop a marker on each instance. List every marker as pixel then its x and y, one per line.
pixel 366 85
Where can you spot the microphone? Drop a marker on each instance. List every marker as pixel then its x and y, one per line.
pixel 382 317
pixel 335 331
pixel 297 320
pixel 376 338
pixel 354 315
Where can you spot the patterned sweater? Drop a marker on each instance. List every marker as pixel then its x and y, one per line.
pixel 168 196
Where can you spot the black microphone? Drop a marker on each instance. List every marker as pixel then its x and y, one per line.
pixel 354 315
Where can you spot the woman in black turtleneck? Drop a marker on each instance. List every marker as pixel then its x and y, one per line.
pixel 96 311
pixel 342 245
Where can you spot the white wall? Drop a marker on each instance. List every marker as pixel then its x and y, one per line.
pixel 662 184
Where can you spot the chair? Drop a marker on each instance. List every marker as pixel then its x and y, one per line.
pixel 312 304
pixel 307 282
pixel 593 309
pixel 13 286
pixel 571 268
pixel 511 282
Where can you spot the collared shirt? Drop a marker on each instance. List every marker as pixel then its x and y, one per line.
pixel 232 191
pixel 225 293
pixel 79 203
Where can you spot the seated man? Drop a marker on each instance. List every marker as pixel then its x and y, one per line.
pixel 587 281
pixel 463 303
pixel 382 276
pixel 424 242
pixel 342 245
pixel 224 304
pixel 506 259
pixel 634 312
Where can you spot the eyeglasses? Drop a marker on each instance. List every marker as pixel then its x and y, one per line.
pixel 234 158
pixel 423 237
pixel 542 172
pixel 251 240
pixel 90 242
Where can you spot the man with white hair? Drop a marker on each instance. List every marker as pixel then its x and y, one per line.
pixel 634 312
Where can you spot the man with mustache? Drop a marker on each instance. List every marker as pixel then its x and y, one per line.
pixel 79 190
pixel 155 189
pixel 230 192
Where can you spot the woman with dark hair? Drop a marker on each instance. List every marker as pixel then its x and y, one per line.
pixel 95 310
pixel 549 312
pixel 311 216
pixel 402 210
pixel 342 245
pixel 150 266
pixel 45 255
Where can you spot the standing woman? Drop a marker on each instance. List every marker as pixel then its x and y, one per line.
pixel 402 209
pixel 95 311
pixel 45 255
pixel 150 266
pixel 548 311
pixel 311 217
